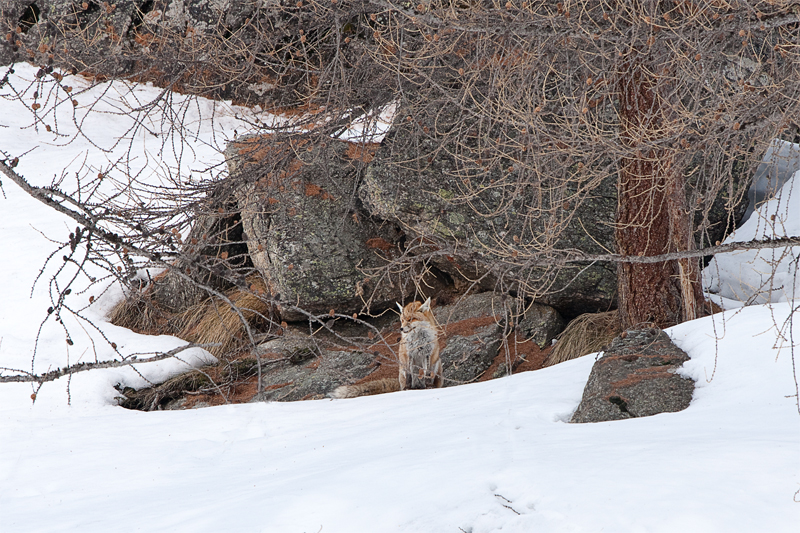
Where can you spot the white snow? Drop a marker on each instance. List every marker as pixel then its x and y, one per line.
pixel 493 456
pixel 781 161
pixel 760 276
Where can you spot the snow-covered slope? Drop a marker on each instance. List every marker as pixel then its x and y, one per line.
pixel 486 457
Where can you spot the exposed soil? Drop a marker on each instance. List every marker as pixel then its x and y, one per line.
pixel 237 382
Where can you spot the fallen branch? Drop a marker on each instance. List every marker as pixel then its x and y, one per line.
pixel 29 377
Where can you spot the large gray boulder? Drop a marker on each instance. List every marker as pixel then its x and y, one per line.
pixel 420 184
pixel 473 332
pixel 467 356
pixel 473 306
pixel 433 183
pixel 541 324
pixel 636 377
pixel 304 228
pixel 475 326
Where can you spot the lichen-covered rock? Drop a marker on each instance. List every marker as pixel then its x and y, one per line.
pixel 466 357
pixel 541 324
pixel 297 367
pixel 472 333
pixel 636 377
pixel 492 211
pixel 419 184
pixel 480 305
pixel 475 326
pixel 305 230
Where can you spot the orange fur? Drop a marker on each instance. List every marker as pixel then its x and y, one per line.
pixel 379 386
pixel 418 356
pixel 420 366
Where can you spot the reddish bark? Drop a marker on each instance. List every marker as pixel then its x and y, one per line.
pixel 652 215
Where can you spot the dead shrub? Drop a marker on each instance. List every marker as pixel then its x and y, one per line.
pixel 226 381
pixel 156 397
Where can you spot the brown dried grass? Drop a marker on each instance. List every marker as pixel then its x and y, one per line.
pixel 138 313
pixel 213 321
pixel 586 334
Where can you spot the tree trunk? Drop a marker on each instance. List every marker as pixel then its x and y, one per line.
pixel 652 215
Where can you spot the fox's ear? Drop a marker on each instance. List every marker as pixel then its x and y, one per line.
pixel 400 307
pixel 426 306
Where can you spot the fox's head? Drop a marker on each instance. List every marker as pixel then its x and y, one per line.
pixel 416 311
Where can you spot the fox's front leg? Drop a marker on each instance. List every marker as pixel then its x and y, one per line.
pixel 404 372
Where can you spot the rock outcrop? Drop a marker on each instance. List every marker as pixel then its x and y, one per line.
pixel 541 324
pixel 473 331
pixel 305 230
pixel 491 210
pixel 636 377
pixel 299 366
pixel 426 180
pixel 421 185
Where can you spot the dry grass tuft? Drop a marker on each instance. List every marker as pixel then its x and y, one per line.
pixel 210 322
pixel 214 322
pixel 586 334
pixel 138 313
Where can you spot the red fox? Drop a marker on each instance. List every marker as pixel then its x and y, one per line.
pixel 418 356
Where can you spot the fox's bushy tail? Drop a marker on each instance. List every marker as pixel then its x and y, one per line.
pixel 379 386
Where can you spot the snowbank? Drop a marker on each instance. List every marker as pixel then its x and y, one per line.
pixel 760 276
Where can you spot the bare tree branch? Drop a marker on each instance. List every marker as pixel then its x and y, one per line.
pixel 28 377
pixel 783 242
